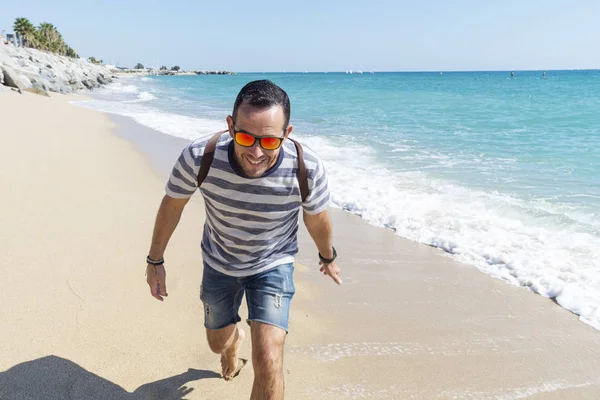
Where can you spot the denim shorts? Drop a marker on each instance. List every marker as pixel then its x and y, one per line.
pixel 268 296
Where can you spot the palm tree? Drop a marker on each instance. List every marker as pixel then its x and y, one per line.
pixel 45 37
pixel 27 31
pixel 51 39
pixel 48 36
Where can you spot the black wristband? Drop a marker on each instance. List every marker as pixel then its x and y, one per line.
pixel 155 262
pixel 328 260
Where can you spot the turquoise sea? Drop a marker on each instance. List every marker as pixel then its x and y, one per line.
pixel 502 173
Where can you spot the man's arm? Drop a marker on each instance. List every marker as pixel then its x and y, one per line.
pixel 319 228
pixel 167 218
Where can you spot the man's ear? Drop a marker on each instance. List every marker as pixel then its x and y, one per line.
pixel 288 131
pixel 230 125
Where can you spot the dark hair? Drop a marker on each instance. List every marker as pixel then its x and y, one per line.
pixel 263 94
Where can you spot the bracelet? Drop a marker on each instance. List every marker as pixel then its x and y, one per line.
pixel 155 262
pixel 328 260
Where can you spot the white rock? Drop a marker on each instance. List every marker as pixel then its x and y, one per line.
pixel 13 79
pixel 50 72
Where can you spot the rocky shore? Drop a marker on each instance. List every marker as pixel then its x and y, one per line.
pixel 27 69
pixel 152 71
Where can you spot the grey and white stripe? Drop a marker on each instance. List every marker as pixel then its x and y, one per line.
pixel 251 224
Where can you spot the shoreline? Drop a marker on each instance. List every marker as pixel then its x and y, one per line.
pixel 409 322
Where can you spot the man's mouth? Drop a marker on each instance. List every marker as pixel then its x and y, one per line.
pixel 254 162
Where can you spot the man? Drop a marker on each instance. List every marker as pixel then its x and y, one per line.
pixel 253 195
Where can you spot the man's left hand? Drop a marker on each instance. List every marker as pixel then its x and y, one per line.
pixel 332 270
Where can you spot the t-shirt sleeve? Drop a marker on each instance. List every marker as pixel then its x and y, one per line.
pixel 318 198
pixel 183 181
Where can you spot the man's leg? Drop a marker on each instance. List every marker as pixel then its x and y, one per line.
pixel 226 342
pixel 267 360
pixel 269 295
pixel 222 296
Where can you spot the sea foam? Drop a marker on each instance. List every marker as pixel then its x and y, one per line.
pixel 502 235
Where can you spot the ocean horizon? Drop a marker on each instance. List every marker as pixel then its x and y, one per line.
pixel 432 71
pixel 501 173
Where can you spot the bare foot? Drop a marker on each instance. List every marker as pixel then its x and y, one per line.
pixel 230 363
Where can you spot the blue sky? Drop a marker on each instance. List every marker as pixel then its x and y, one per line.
pixel 311 35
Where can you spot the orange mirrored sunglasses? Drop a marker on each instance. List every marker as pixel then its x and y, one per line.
pixel 266 142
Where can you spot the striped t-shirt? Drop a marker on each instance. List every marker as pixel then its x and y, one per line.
pixel 251 223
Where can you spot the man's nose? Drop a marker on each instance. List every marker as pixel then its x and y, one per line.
pixel 256 150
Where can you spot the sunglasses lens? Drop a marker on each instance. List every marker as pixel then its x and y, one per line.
pixel 270 143
pixel 243 139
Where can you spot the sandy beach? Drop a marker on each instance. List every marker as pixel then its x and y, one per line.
pixel 78 321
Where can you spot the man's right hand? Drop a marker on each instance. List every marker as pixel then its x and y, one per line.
pixel 156 278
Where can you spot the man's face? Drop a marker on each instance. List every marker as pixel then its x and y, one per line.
pixel 255 160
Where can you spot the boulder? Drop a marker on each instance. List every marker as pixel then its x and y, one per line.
pixel 45 84
pixel 87 83
pixel 65 89
pixel 13 79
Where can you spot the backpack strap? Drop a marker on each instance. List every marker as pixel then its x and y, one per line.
pixel 207 157
pixel 301 171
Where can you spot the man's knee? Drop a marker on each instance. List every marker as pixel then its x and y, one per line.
pixel 267 348
pixel 269 358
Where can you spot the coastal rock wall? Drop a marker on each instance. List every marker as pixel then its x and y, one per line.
pixel 25 68
pixel 153 71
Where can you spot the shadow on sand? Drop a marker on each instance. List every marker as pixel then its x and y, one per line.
pixel 54 378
